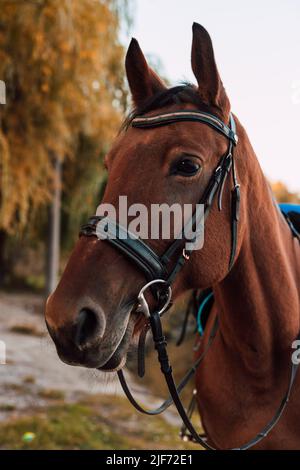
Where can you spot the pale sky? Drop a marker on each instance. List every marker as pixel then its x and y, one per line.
pixel 257 51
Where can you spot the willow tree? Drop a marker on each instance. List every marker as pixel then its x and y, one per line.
pixel 62 63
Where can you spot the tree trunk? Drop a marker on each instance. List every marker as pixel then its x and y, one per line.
pixel 3 234
pixel 3 264
pixel 53 245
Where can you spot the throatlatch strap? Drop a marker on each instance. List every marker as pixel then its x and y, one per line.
pixel 235 209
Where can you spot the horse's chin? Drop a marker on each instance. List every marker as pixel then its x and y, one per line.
pixel 114 364
pixel 118 359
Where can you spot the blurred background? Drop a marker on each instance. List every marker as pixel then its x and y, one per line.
pixel 62 62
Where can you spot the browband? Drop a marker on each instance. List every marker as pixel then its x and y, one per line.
pixel 188 115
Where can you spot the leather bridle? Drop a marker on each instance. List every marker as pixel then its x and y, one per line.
pixel 153 265
pixel 160 271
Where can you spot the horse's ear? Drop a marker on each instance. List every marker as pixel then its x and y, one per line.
pixel 143 81
pixel 204 66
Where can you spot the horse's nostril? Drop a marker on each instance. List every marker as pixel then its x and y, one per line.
pixel 89 326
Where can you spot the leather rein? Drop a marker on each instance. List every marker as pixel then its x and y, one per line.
pixel 160 272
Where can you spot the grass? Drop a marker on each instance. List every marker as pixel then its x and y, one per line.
pixel 29 379
pixel 25 329
pixel 103 422
pixel 7 407
pixel 23 283
pixel 62 427
pixel 51 394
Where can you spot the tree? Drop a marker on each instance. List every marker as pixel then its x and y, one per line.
pixel 62 63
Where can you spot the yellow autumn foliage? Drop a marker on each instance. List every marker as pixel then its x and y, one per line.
pixel 283 194
pixel 62 63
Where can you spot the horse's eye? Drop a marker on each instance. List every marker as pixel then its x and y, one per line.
pixel 186 167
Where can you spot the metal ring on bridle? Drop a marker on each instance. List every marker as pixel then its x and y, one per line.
pixel 143 304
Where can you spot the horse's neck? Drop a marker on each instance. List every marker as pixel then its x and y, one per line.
pixel 259 300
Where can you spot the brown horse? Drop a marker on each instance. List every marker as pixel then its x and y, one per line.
pixel 90 316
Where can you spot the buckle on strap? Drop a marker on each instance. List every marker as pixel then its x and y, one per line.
pixel 143 304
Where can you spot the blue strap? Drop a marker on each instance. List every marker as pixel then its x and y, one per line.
pixel 287 207
pixel 200 312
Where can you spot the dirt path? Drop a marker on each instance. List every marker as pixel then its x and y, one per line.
pixel 33 375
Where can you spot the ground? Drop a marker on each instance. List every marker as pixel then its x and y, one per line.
pixel 66 407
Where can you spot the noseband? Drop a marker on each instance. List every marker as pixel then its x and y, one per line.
pixel 160 271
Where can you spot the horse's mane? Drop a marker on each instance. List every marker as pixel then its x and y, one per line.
pixel 180 94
